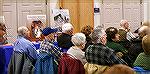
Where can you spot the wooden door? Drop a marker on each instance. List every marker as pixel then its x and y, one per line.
pixel 81 12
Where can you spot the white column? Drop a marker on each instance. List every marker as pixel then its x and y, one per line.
pixel 1 7
pixel 97 16
pixel 146 10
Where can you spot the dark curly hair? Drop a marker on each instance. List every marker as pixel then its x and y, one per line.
pixel 111 31
pixel 3 27
pixel 87 30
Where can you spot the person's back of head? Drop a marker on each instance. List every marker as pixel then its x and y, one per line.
pixel 119 69
pixel 23 31
pixel 78 39
pixel 2 27
pixel 87 30
pixel 146 23
pixel 97 34
pixel 144 30
pixel 67 28
pixel 146 44
pixel 111 33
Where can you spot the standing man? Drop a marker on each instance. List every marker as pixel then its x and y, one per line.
pixel 47 44
pixel 22 43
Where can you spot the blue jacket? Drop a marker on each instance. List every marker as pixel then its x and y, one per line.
pixel 24 45
pixel 45 64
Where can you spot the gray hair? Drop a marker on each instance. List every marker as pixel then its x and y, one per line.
pixel 67 27
pixel 78 39
pixel 122 22
pixel 97 33
pixel 22 31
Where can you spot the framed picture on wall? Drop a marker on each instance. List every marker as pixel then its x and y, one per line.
pixel 60 16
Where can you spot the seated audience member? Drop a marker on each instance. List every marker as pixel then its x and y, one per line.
pixel 119 69
pixel 87 31
pixel 123 30
pixel 144 30
pixel 22 44
pixel 125 34
pixel 136 44
pixel 136 47
pixel 3 39
pixel 98 52
pixel 70 65
pixel 113 39
pixel 143 59
pixel 112 42
pixel 79 41
pixel 64 40
pixel 146 23
pixel 47 44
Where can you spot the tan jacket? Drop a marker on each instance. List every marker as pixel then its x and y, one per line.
pixel 94 68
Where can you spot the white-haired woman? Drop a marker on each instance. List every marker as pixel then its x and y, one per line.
pixel 79 41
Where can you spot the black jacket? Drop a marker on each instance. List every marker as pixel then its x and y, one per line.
pixel 64 41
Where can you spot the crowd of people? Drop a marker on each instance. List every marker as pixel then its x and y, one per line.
pixel 90 51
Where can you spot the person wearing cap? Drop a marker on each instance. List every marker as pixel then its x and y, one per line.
pixel 47 45
pixel 64 40
pixel 22 44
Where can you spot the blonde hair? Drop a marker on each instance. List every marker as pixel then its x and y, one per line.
pixel 119 69
pixel 146 44
pixel 146 23
pixel 144 30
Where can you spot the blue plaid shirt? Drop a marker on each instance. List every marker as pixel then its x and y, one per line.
pixel 49 47
pixel 102 55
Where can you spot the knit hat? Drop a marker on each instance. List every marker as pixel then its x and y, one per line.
pixel 46 31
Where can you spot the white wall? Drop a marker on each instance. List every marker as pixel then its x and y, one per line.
pixel 146 10
pixel 97 19
pixel 54 4
pixel 97 15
